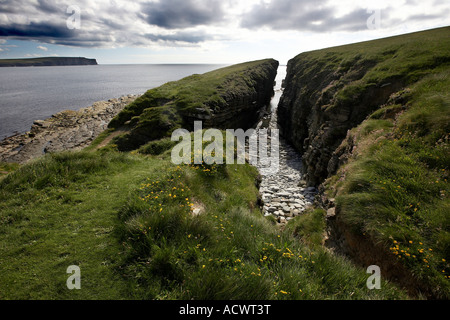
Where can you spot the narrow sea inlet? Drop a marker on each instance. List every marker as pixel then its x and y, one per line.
pixel 283 191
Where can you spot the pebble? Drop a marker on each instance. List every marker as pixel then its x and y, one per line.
pixel 284 193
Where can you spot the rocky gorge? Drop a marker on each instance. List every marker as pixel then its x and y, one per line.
pixel 361 115
pixel 283 191
pixel 364 142
pixel 227 98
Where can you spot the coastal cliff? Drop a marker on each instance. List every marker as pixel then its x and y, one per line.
pixel 47 61
pixel 231 97
pixel 376 114
pixel 327 92
pixel 372 120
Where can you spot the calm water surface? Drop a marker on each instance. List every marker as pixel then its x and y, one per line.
pixel 32 93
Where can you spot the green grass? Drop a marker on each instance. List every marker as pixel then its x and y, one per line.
pixel 6 168
pixel 61 211
pixel 227 252
pixel 386 103
pixel 158 112
pixel 396 186
pixel 157 147
pixel 309 227
pixel 127 221
pixel 362 68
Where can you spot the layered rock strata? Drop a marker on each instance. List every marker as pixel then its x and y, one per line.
pixel 66 130
pixel 315 121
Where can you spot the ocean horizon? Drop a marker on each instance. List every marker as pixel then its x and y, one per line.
pixel 33 93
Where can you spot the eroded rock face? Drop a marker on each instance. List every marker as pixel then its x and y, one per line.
pixel 66 130
pixel 315 118
pixel 232 97
pixel 243 108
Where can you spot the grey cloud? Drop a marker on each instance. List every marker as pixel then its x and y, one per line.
pixel 304 15
pixel 13 6
pixel 173 14
pixel 186 37
pixel 36 30
pixel 439 2
pixel 424 16
pixel 320 16
pixel 49 6
pixel 112 25
pixel 353 21
pixel 89 43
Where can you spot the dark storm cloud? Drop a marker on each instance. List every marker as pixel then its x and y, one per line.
pixel 90 43
pixel 174 14
pixel 114 23
pixel 106 23
pixel 303 15
pixel 36 30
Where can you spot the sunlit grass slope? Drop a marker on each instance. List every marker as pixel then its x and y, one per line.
pixel 128 222
pixel 395 187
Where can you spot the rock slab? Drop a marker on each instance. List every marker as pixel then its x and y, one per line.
pixel 66 130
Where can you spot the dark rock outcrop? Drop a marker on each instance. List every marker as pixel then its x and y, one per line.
pixel 242 108
pixel 329 91
pixel 234 97
pixel 315 121
pixel 331 99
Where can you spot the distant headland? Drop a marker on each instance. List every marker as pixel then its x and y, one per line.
pixel 47 61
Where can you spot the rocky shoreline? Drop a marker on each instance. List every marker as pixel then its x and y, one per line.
pixel 284 193
pixel 66 130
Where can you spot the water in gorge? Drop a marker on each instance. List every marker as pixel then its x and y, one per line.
pixel 283 191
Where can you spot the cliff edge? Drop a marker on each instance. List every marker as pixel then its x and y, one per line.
pixel 372 120
pixel 327 92
pixel 228 98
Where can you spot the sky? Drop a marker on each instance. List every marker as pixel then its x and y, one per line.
pixel 203 31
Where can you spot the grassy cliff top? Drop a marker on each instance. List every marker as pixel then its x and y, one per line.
pixel 403 59
pixel 161 110
pixel 393 190
pixel 128 222
pixel 196 91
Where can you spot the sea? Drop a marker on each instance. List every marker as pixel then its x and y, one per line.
pixel 32 93
pixel 35 93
